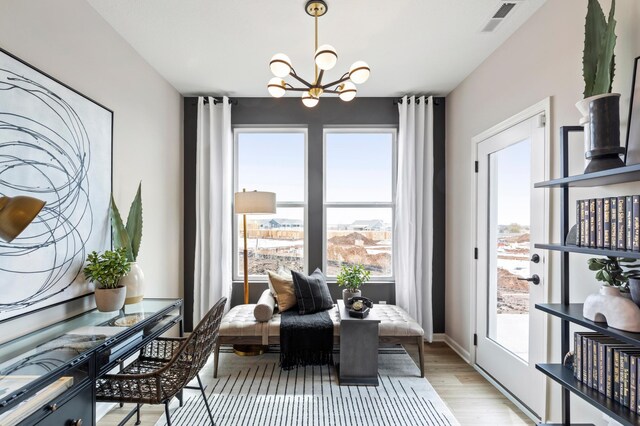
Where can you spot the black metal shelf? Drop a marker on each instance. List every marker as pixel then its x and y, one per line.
pixel 589 250
pixel 604 177
pixel 613 409
pixel 573 313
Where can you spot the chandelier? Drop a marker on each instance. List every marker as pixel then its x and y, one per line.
pixel 325 59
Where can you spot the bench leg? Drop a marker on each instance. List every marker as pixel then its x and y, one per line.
pixel 216 359
pixel 420 342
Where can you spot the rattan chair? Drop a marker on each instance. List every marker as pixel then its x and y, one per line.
pixel 165 367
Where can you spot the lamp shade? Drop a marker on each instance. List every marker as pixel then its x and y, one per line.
pixel 255 202
pixel 326 57
pixel 280 65
pixel 309 100
pixel 16 213
pixel 359 72
pixel 348 91
pixel 276 87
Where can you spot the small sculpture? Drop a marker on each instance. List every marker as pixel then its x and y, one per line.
pixel 610 307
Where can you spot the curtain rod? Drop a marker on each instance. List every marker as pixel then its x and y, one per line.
pixel 218 100
pixel 426 101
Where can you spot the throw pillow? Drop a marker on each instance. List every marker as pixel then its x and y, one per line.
pixel 312 292
pixel 282 289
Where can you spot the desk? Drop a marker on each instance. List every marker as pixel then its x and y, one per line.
pixel 49 375
pixel 358 348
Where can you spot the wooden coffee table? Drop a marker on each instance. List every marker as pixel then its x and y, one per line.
pixel 358 348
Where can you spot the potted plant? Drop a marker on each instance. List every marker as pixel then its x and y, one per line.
pixel 352 278
pixel 600 108
pixel 129 238
pixel 611 271
pixel 107 270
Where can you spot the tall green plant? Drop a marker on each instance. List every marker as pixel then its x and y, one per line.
pixel 598 61
pixel 128 236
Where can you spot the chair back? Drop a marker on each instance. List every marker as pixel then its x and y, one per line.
pixel 195 351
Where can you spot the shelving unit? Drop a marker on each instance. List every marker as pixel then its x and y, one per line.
pixel 572 313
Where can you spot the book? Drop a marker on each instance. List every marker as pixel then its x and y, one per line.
pixel 579 224
pixel 636 223
pixel 577 356
pixel 606 212
pixel 599 223
pixel 598 361
pixel 614 222
pixel 592 223
pixel 622 224
pixel 629 216
pixel 633 378
pixel 609 367
pixel 587 356
pixel 625 375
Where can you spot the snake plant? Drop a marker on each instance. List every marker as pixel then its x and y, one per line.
pixel 598 61
pixel 128 237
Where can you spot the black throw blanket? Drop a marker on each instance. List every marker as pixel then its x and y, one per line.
pixel 305 339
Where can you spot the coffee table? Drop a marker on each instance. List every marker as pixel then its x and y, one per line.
pixel 358 348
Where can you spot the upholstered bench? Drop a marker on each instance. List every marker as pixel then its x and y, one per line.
pixel 239 326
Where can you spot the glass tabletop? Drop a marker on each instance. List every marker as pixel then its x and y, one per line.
pixel 37 354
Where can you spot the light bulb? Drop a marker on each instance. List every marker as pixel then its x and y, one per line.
pixel 276 87
pixel 308 100
pixel 280 65
pixel 326 57
pixel 348 91
pixel 359 72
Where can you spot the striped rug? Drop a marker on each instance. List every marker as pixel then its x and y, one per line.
pixel 255 391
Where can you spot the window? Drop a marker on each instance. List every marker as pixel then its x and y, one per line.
pixel 359 200
pixel 272 160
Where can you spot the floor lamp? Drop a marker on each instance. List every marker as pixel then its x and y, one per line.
pixel 251 202
pixel 16 213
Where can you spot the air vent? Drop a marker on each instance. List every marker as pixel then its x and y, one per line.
pixel 503 11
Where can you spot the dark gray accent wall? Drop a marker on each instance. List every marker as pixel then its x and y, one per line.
pixel 269 112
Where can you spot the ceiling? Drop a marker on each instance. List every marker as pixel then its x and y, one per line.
pixel 223 47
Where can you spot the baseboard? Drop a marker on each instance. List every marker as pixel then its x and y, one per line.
pixel 464 354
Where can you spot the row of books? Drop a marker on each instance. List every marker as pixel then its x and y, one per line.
pixel 610 223
pixel 608 366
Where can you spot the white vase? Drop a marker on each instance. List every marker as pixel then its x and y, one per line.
pixel 348 294
pixel 110 299
pixel 609 306
pixel 134 282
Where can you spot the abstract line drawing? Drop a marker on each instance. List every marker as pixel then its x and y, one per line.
pixel 55 144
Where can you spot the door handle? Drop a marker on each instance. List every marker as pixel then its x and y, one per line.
pixel 535 258
pixel 535 279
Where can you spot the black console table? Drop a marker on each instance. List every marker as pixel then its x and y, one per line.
pixel 48 376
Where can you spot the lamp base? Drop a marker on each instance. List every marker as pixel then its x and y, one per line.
pixel 250 350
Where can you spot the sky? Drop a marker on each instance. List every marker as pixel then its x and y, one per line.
pixel 513 173
pixel 358 169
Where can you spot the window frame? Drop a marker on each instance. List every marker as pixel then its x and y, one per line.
pixel 377 129
pixel 237 130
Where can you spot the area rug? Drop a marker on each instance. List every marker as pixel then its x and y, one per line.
pixel 255 391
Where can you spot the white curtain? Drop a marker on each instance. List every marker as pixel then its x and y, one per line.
pixel 214 168
pixel 414 210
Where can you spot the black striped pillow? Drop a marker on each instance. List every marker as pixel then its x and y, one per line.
pixel 312 292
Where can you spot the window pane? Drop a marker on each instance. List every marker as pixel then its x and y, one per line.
pixel 360 236
pixel 272 162
pixel 273 241
pixel 359 167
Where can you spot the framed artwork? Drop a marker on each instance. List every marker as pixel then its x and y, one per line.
pixel 56 145
pixel 632 155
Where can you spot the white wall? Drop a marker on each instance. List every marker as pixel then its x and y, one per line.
pixel 543 58
pixel 70 41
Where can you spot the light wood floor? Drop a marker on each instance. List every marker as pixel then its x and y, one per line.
pixel 472 399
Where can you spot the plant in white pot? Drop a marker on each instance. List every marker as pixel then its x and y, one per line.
pixel 600 108
pixel 107 270
pixel 352 278
pixel 129 237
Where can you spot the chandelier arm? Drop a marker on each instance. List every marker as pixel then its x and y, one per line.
pixel 335 83
pixel 301 80
pixel 319 79
pixel 335 92
pixel 296 89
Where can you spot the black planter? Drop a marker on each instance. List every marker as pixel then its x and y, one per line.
pixel 604 118
pixel 634 288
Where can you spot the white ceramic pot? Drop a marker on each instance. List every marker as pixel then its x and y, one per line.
pixel 134 282
pixel 110 299
pixel 348 294
pixel 609 306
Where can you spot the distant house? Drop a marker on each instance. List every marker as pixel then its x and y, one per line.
pixel 281 223
pixel 367 225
